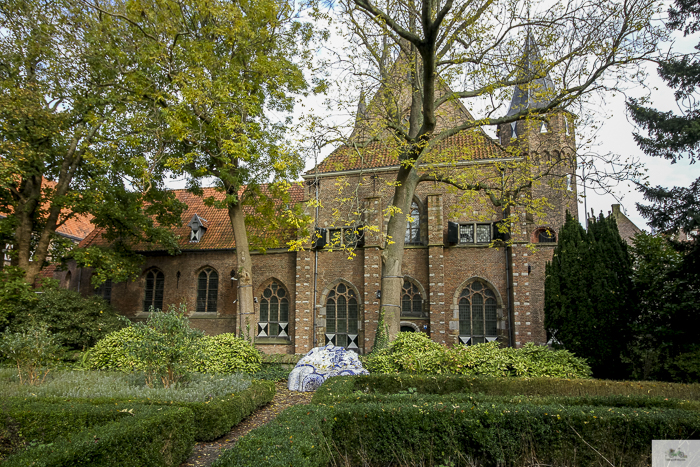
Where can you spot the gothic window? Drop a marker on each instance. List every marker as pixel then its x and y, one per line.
pixel 413 226
pixel 342 317
pixel 153 296
pixel 477 314
pixel 411 301
pixel 514 130
pixel 104 290
pixel 207 291
pixel 274 312
pixel 545 235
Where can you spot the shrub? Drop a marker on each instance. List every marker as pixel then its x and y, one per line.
pixel 15 292
pixel 111 352
pixel 415 353
pixel 140 347
pixel 226 354
pixel 685 368
pixel 78 322
pixel 409 353
pixel 166 346
pixel 33 351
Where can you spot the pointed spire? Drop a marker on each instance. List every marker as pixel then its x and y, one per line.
pixel 361 107
pixel 536 94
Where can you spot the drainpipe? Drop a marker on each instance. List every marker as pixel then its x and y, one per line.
pixel 510 296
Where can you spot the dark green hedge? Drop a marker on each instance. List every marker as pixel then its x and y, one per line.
pixel 141 436
pixel 215 418
pixel 40 421
pixel 435 433
pixel 392 384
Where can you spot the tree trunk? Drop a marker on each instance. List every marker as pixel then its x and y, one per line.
pixel 247 323
pixel 392 276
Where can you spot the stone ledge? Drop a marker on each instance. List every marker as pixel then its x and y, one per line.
pixel 272 341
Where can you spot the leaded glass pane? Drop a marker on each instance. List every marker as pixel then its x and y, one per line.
pixel 413 226
pixel 213 292
pixel 476 286
pixel 342 309
pixel 284 310
pixel 464 318
pixel 466 233
pixel 352 316
pixel 417 305
pixel 341 288
pixel 264 311
pixel 491 319
pixel 148 298
pixel 202 292
pixel 159 292
pixel 478 314
pixel 274 309
pixel 406 305
pixel 330 309
pixel 483 233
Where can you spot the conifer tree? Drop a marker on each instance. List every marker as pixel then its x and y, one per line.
pixel 589 303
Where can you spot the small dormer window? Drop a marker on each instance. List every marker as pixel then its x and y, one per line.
pixel 543 128
pixel 197 224
pixel 514 130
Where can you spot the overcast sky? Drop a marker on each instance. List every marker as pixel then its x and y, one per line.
pixel 616 136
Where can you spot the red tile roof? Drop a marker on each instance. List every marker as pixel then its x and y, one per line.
pixel 464 146
pixel 219 233
pixel 77 227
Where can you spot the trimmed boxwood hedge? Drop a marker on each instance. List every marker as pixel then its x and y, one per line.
pixel 216 417
pixel 433 433
pixel 343 386
pixel 51 421
pixel 140 435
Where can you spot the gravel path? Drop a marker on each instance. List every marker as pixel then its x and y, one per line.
pixel 204 454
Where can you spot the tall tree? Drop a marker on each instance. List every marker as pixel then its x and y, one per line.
pixel 667 309
pixel 589 297
pixel 67 141
pixel 676 211
pixel 673 136
pixel 215 71
pixel 424 56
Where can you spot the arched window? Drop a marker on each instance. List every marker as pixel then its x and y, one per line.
pixel 342 317
pixel 411 301
pixel 274 312
pixel 207 291
pixel 545 235
pixel 104 290
pixel 413 226
pixel 153 296
pixel 477 314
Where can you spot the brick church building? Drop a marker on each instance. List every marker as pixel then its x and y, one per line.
pixel 461 284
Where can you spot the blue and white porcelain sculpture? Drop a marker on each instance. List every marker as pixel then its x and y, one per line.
pixel 322 363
